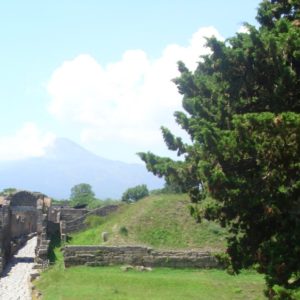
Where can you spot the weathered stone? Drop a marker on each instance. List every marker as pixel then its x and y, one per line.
pixel 104 236
pixel 126 268
pixel 138 256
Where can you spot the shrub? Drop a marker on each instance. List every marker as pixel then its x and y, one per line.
pixel 123 231
pixel 136 193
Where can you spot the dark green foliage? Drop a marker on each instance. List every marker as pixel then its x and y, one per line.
pixel 243 116
pixel 82 194
pixel 169 188
pixel 136 193
pixel 55 242
pixel 123 231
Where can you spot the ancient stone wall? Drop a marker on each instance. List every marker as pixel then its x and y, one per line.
pixel 21 215
pixel 80 224
pixel 23 198
pixel 138 256
pixel 23 206
pixel 5 236
pixel 23 222
pixel 69 214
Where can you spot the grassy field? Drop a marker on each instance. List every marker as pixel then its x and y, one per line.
pixel 89 283
pixel 161 221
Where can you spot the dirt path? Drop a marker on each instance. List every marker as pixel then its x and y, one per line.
pixel 14 283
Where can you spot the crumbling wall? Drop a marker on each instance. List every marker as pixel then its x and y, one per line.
pixel 23 206
pixel 23 214
pixel 80 224
pixel 43 207
pixel 68 214
pixel 5 236
pixel 136 255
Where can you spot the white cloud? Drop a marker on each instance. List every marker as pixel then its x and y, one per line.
pixel 27 142
pixel 127 100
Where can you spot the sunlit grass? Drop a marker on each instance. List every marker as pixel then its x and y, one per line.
pixel 160 284
pixel 160 221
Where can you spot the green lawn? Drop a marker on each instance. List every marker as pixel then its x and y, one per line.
pixel 111 283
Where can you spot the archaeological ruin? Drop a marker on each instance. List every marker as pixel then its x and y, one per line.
pixel 24 214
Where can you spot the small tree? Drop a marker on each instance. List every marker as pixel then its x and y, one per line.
pixel 82 194
pixel 136 193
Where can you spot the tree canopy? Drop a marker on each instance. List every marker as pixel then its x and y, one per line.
pixel 82 194
pixel 242 113
pixel 135 193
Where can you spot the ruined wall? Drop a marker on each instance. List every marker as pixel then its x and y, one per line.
pixel 23 222
pixel 69 214
pixel 21 215
pixel 80 224
pixel 5 236
pixel 23 206
pixel 43 207
pixel 136 255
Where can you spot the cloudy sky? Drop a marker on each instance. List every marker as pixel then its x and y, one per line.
pixel 99 72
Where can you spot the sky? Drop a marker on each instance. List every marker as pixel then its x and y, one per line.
pixel 99 72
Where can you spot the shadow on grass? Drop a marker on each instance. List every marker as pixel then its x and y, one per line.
pixel 55 242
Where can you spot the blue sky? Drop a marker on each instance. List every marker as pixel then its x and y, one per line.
pixel 98 72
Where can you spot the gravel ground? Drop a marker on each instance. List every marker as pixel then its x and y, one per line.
pixel 14 283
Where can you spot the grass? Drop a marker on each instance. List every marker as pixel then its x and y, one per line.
pixel 111 283
pixel 160 221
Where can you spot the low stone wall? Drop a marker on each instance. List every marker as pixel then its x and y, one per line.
pixel 79 223
pixel 138 256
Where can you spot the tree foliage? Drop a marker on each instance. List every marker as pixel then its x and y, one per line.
pixel 82 194
pixel 242 112
pixel 135 193
pixel 8 191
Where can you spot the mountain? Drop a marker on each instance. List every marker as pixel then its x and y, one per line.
pixel 66 164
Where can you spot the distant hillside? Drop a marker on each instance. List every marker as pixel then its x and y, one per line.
pixel 66 164
pixel 161 221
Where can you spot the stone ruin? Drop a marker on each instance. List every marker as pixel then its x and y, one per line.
pixel 24 214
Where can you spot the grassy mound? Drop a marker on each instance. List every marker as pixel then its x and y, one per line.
pixel 160 221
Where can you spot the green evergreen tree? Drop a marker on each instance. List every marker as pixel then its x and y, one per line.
pixel 242 112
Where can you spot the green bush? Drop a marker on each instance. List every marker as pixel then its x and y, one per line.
pixel 123 231
pixel 136 193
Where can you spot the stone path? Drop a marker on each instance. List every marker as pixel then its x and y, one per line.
pixel 14 281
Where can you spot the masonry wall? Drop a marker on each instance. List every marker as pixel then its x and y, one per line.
pixel 24 214
pixel 136 255
pixel 5 236
pixel 69 214
pixel 79 223
pixel 23 221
